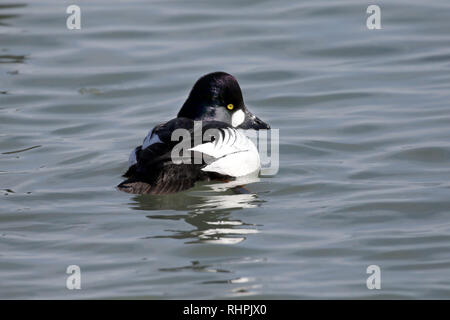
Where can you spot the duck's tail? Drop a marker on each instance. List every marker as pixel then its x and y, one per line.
pixel 134 186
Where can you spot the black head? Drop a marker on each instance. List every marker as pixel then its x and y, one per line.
pixel 218 96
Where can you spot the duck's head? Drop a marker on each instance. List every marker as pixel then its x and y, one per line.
pixel 218 96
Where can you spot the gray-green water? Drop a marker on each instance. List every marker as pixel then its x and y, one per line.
pixel 364 121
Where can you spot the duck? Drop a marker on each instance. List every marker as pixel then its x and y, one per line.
pixel 214 147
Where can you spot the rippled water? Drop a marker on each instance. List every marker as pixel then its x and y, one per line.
pixel 364 150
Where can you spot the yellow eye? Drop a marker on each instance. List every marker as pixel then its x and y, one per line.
pixel 230 107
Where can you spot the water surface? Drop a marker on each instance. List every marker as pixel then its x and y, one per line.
pixel 364 150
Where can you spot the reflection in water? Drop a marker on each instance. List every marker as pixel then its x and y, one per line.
pixel 196 266
pixel 5 57
pixel 10 58
pixel 207 211
pixel 5 16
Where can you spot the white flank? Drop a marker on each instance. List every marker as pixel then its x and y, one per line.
pixel 150 139
pixel 237 118
pixel 132 159
pixel 236 154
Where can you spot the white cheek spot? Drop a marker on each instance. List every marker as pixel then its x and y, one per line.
pixel 237 118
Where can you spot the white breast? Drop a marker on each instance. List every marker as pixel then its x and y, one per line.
pixel 236 154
